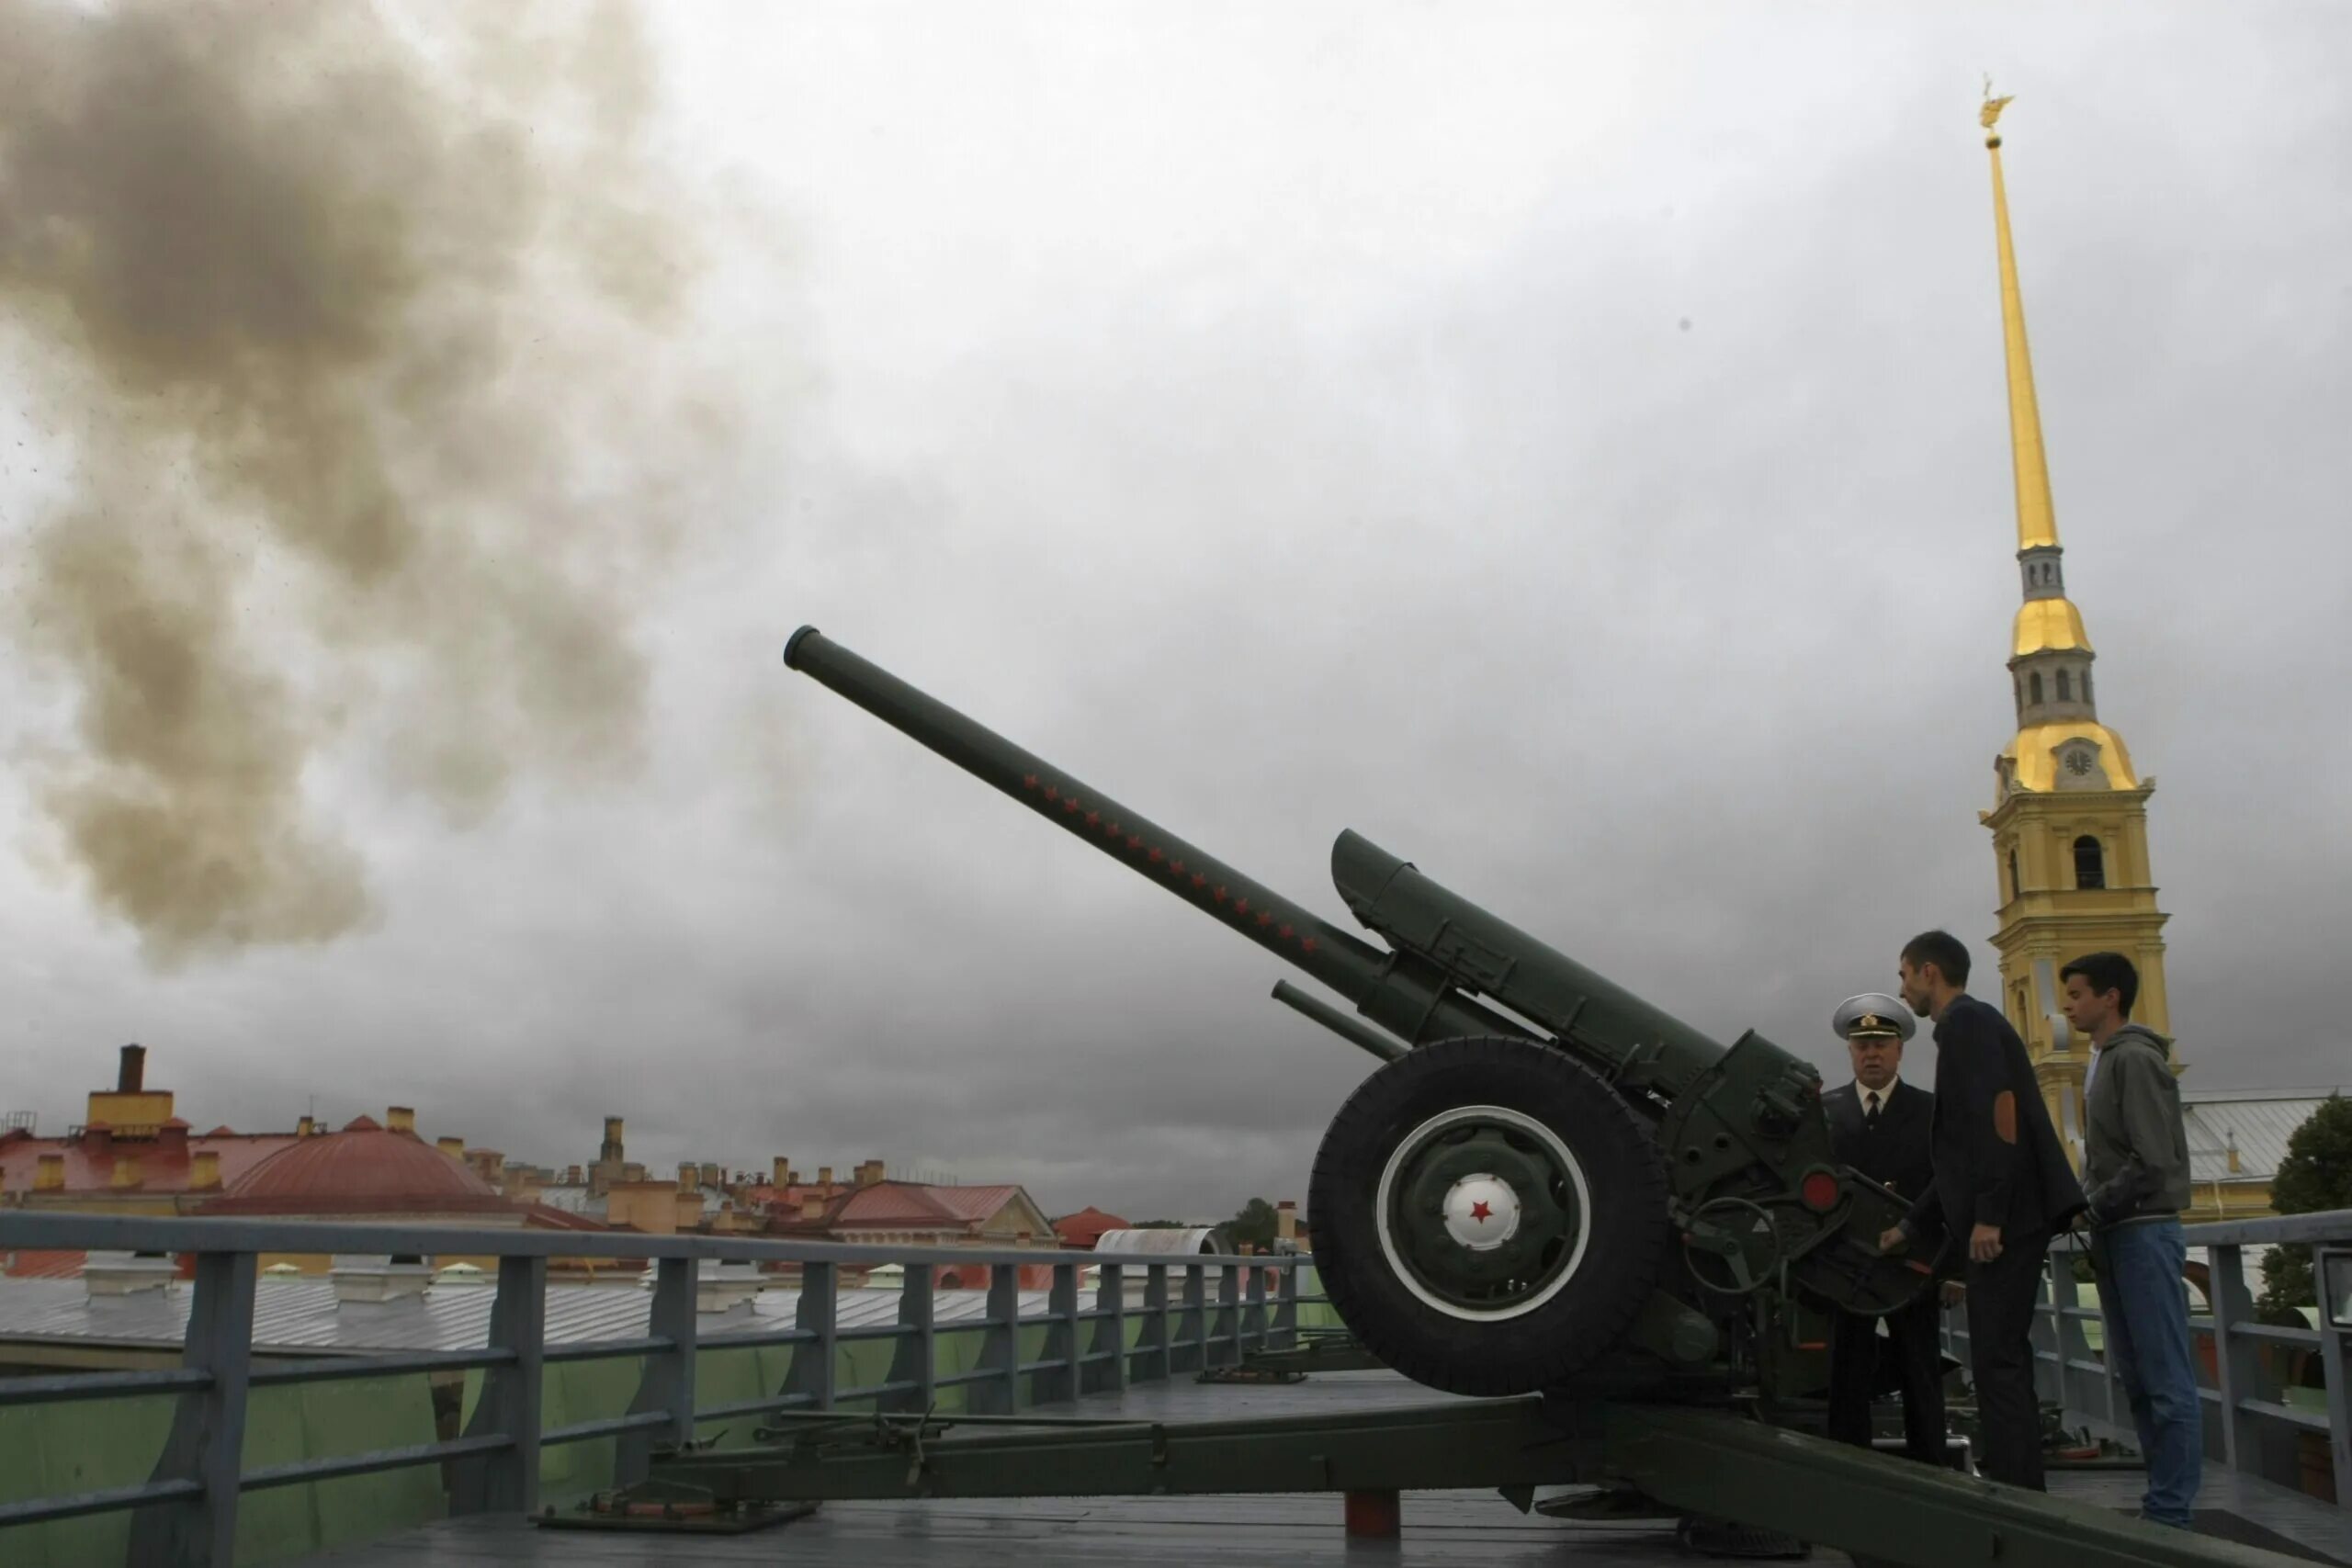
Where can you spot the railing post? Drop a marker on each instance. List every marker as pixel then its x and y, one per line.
pixel 668 1382
pixel 1191 1325
pixel 1158 1364
pixel 2066 1298
pixel 510 1403
pixel 1061 1335
pixel 1001 1349
pixel 2234 1357
pixel 1110 1336
pixel 2333 1369
pixel 1253 1318
pixel 916 1360
pixel 1228 1314
pixel 207 1442
pixel 1283 1334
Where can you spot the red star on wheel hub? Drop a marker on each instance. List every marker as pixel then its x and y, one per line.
pixel 1480 1210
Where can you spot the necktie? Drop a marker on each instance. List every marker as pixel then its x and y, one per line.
pixel 1870 1110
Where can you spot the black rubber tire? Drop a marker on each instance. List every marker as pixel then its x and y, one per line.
pixel 1622 1166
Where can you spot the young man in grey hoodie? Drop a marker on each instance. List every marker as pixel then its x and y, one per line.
pixel 2135 1177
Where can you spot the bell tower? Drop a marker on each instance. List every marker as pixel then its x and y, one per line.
pixel 2070 815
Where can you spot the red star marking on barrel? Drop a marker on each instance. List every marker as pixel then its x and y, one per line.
pixel 1135 841
pixel 1052 794
pixel 1176 867
pixel 1028 781
pixel 1306 945
pixel 1479 1211
pixel 1241 905
pixel 1157 855
pixel 1265 917
pixel 1200 878
pixel 1070 804
pixel 1219 894
pixel 1113 829
pixel 1093 818
pixel 1282 932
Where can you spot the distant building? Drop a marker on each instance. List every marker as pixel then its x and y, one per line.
pixel 131 1155
pixel 2237 1140
pixel 1084 1229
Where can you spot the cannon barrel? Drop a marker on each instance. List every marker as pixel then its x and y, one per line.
pixel 1412 1001
pixel 1591 1130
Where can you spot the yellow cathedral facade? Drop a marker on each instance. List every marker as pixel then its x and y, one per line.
pixel 2070 815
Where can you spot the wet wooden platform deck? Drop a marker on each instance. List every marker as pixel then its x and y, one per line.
pixel 1466 1530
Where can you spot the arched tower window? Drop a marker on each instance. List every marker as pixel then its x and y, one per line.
pixel 2065 687
pixel 2034 685
pixel 2016 888
pixel 2090 864
pixel 2086 685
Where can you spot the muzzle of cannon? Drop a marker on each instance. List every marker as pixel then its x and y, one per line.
pixel 1548 1182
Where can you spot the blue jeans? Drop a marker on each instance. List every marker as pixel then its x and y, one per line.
pixel 2146 1305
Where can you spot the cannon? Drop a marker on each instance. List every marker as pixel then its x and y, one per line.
pixel 1548 1184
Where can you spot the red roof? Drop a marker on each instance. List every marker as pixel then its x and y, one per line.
pixel 1086 1227
pixel 28 1264
pixel 164 1165
pixel 362 1168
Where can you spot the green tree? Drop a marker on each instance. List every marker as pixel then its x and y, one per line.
pixel 1253 1225
pixel 2315 1175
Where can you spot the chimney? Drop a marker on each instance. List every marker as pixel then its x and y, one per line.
pixel 302 1129
pixel 2230 1135
pixel 126 1170
pixel 812 1207
pixel 689 1174
pixel 203 1173
pixel 1286 1220
pixel 869 1172
pixel 123 1273
pixel 97 1138
pixel 712 1175
pixel 824 1176
pixel 133 1075
pixel 783 1177
pixel 400 1119
pixel 170 1139
pixel 632 1171
pixel 372 1280
pixel 454 1147
pixel 611 1152
pixel 572 1176
pixel 49 1176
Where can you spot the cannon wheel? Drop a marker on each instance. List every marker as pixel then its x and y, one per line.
pixel 1487 1215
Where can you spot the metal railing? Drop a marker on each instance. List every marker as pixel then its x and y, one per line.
pixel 185 1512
pixel 2254 1423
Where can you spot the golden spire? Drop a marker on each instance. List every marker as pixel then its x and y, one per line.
pixel 2036 521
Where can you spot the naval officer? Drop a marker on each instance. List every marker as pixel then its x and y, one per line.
pixel 1881 1126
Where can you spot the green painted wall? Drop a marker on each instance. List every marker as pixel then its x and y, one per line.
pixel 56 1450
pixel 48 1450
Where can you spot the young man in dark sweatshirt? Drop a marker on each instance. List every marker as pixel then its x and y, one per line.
pixel 2135 1169
pixel 2002 1187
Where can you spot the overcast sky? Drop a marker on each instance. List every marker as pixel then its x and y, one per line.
pixel 1567 444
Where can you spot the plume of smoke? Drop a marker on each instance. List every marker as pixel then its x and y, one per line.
pixel 362 334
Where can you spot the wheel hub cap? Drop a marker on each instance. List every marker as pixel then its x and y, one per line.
pixel 1481 1211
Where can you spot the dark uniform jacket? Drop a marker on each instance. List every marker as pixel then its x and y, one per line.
pixel 1997 1158
pixel 1897 1153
